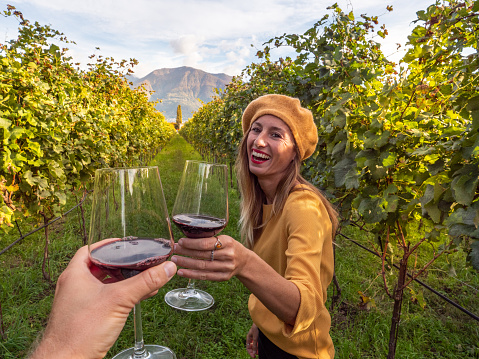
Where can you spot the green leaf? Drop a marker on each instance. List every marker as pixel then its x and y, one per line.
pixel 436 167
pixel 5 123
pixel 55 168
pixel 340 119
pixel 377 172
pixel 34 147
pixel 421 15
pixel 365 156
pixel 16 133
pixel 376 125
pixel 467 216
pixel 339 148
pixel 464 188
pixel 62 198
pixel 341 169
pixel 473 103
pixel 352 179
pixel 375 141
pixel 433 211
pixel 28 176
pixel 420 177
pixel 474 255
pixel 388 159
pixel 428 194
pixel 422 151
pixel 438 191
pixel 418 297
pixel 391 203
pixel 372 210
pixel 392 188
pixel 357 80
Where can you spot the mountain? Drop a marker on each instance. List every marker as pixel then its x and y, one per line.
pixel 181 86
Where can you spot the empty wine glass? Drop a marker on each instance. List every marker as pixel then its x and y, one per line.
pixel 200 210
pixel 130 231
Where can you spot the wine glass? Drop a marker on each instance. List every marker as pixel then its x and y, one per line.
pixel 130 231
pixel 200 210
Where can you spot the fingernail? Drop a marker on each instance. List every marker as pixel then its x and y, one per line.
pixel 170 269
pixel 174 259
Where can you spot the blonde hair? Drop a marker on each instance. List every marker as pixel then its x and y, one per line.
pixel 253 197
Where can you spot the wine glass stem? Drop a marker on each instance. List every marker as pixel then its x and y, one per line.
pixel 191 285
pixel 140 351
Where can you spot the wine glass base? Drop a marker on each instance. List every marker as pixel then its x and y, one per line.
pixel 151 352
pixel 190 300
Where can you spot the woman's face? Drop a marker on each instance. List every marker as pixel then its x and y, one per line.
pixel 271 148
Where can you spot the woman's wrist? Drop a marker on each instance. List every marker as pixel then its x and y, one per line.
pixel 246 270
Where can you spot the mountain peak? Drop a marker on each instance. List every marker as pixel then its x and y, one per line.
pixel 184 86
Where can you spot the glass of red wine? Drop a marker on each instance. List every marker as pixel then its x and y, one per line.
pixel 130 231
pixel 200 210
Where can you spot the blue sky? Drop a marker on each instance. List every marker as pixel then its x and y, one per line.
pixel 211 35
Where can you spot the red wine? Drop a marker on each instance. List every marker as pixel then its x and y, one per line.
pixel 124 258
pixel 198 226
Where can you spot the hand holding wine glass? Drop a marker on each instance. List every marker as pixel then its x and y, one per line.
pixel 200 210
pixel 130 231
pixel 89 312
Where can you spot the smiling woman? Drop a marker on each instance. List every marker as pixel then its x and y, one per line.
pixel 288 228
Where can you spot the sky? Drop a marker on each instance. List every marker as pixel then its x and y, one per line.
pixel 216 36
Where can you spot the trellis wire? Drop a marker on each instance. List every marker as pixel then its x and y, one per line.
pixel 442 296
pixel 41 227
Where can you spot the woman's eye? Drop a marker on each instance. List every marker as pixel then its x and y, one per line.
pixel 275 134
pixel 255 129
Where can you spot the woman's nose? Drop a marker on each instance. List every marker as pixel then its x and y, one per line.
pixel 259 141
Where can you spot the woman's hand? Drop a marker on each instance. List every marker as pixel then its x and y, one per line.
pixel 252 341
pixel 278 294
pixel 205 262
pixel 88 313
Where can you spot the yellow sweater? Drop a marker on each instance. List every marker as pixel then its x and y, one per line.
pixel 297 243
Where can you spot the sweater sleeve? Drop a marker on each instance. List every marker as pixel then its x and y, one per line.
pixel 308 229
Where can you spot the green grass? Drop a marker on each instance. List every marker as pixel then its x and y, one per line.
pixel 437 331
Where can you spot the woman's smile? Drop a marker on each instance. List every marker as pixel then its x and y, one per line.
pixel 259 157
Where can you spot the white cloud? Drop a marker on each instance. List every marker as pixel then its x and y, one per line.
pixel 186 44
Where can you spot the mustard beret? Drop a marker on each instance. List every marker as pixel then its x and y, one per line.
pixel 288 109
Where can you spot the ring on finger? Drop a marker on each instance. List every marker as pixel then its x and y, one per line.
pixel 218 244
pixel 212 255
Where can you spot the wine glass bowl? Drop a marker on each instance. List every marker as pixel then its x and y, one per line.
pixel 130 231
pixel 200 210
pixel 122 258
pixel 198 226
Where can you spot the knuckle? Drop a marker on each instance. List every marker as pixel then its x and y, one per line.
pixel 153 280
pixel 204 243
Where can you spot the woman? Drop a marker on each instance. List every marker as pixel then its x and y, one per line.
pixel 287 227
